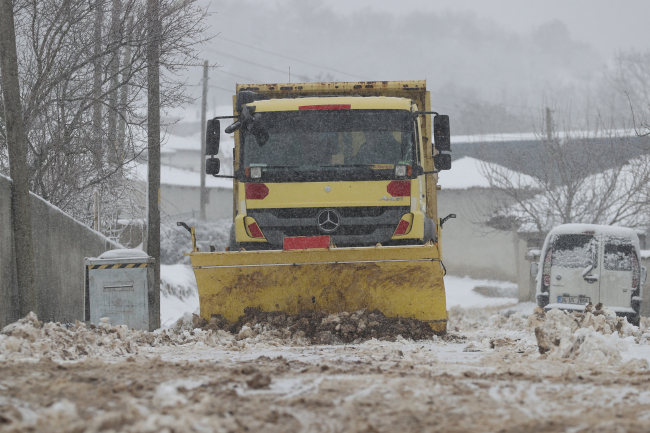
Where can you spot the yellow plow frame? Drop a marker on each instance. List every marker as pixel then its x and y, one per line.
pixel 401 281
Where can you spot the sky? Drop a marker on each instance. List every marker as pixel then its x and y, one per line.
pixel 474 54
pixel 607 25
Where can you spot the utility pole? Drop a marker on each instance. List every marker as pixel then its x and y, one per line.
pixel 204 108
pixel 114 152
pixel 21 215
pixel 97 225
pixel 97 85
pixel 124 94
pixel 549 125
pixel 153 152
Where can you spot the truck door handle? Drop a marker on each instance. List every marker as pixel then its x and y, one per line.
pixel 591 278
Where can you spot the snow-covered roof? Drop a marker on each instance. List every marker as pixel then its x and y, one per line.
pixel 180 177
pixel 594 229
pixel 468 172
pixel 174 143
pixel 123 253
pixel 530 136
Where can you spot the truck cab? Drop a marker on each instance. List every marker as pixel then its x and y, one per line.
pixel 348 168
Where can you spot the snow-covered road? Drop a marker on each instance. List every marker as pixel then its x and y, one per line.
pixel 486 375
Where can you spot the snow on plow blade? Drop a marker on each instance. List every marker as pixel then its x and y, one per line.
pixel 398 281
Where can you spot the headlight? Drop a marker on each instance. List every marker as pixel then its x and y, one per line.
pixel 256 172
pixel 400 171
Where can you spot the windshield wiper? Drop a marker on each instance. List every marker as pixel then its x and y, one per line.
pixel 292 169
pixel 339 166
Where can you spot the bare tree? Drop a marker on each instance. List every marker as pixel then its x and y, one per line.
pixel 629 78
pixel 17 152
pixel 575 179
pixel 60 53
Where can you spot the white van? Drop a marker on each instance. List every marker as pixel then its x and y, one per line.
pixel 582 263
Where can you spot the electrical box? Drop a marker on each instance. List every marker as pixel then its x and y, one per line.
pixel 118 286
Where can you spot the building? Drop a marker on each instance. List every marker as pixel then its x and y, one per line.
pixel 469 246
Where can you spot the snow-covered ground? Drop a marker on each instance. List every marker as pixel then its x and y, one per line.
pixel 179 294
pixel 460 293
pixel 491 372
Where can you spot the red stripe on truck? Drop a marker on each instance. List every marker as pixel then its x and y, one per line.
pixel 306 242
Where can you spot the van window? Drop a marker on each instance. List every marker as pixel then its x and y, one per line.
pixel 618 254
pixel 575 251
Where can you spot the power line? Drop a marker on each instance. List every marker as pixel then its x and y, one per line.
pixel 291 58
pixel 252 63
pixel 250 80
pixel 231 91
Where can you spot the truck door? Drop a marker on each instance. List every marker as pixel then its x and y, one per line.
pixel 620 264
pixel 574 270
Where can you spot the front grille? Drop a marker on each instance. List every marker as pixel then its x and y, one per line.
pixel 358 224
pixel 351 211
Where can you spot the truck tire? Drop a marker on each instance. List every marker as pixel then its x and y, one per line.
pixel 429 231
pixel 634 319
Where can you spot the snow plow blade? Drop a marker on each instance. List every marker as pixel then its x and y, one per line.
pixel 403 281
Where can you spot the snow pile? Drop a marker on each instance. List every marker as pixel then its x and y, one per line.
pixel 595 336
pixel 29 338
pixel 474 319
pixel 179 293
pixel 320 327
pixel 178 280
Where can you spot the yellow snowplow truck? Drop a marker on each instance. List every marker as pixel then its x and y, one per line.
pixel 334 197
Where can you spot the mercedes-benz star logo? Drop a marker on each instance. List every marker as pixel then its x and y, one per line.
pixel 329 220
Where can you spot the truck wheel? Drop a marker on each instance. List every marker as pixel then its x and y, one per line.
pixel 429 231
pixel 634 320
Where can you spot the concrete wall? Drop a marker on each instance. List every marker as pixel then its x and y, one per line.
pixel 60 245
pixel 8 293
pixel 470 248
pixel 185 200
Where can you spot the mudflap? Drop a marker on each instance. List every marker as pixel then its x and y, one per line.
pixel 403 281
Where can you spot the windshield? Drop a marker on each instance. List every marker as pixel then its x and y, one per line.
pixel 618 254
pixel 575 251
pixel 356 142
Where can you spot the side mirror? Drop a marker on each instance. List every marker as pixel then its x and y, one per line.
pixel 442 161
pixel 441 134
pixel 212 137
pixel 644 274
pixel 534 269
pixel 212 166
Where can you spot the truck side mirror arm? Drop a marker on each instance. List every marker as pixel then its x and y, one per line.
pixel 444 220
